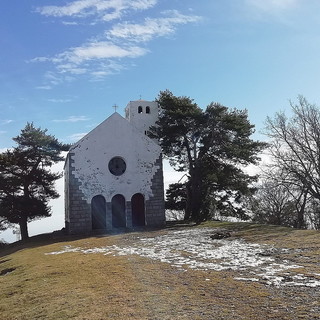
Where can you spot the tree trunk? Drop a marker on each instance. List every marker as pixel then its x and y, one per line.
pixel 24 229
pixel 24 219
pixel 193 200
pixel 195 196
pixel 188 211
pixel 300 216
pixel 196 205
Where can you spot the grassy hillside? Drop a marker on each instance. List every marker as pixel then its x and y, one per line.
pixel 99 277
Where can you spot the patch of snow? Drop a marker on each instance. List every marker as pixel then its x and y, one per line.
pixel 247 279
pixel 65 249
pixel 193 248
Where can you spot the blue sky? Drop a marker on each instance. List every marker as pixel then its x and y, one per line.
pixel 64 64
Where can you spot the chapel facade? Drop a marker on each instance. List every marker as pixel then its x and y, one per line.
pixel 114 175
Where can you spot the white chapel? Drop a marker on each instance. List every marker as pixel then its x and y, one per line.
pixel 114 176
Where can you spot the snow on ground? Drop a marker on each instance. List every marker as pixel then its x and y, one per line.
pixel 193 248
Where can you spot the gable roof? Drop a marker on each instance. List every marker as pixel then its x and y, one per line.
pixel 116 116
pixel 114 126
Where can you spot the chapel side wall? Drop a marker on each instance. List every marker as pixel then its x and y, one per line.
pixel 66 193
pixel 78 211
pixel 155 209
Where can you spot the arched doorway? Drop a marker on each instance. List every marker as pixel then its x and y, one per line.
pixel 118 205
pixel 98 212
pixel 138 210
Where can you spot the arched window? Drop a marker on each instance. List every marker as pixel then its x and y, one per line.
pixel 147 109
pixel 139 109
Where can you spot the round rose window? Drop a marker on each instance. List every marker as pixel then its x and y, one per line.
pixel 117 166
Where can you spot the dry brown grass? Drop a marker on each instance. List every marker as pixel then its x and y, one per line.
pixel 100 287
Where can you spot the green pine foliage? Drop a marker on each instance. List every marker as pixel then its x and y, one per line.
pixel 26 183
pixel 212 146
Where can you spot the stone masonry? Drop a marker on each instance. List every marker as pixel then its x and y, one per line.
pixel 155 205
pixel 77 209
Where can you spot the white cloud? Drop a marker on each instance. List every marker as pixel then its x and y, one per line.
pixel 75 8
pixel 142 4
pixel 67 23
pixel 106 68
pixel 44 87
pixel 55 78
pixel 106 53
pixel 96 59
pixel 107 9
pixel 73 119
pixel 2 122
pixel 100 74
pixel 52 78
pixel 70 60
pixel 151 28
pixel 59 100
pixel 39 59
pixel 100 50
pixel 71 68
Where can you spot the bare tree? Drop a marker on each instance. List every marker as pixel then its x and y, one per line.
pixel 296 192
pixel 272 204
pixel 295 148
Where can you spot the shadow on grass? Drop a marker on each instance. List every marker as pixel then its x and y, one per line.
pixel 38 241
pixel 60 236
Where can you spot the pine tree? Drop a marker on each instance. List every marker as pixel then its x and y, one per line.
pixel 210 145
pixel 26 183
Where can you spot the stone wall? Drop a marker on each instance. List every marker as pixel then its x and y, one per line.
pixel 128 214
pixel 155 210
pixel 78 211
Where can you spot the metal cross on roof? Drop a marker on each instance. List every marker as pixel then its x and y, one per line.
pixel 115 107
